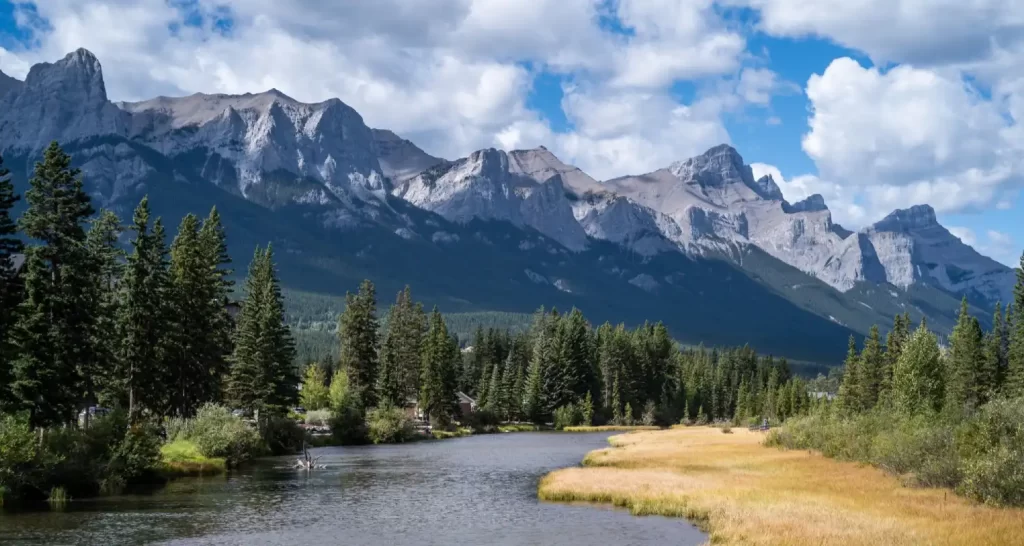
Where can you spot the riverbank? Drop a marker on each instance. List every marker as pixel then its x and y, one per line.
pixel 741 492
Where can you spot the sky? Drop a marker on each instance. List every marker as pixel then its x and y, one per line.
pixel 874 104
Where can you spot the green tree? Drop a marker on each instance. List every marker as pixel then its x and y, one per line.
pixel 917 377
pixel 962 388
pixel 143 324
pixel 262 375
pixel 849 390
pixel 216 342
pixel 1014 384
pixel 10 292
pixel 357 332
pixel 870 366
pixel 496 398
pixel 587 409
pixel 53 335
pixel 108 267
pixel 894 341
pixel 437 385
pixel 315 394
pixel 993 359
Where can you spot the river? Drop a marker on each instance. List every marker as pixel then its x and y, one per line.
pixel 476 490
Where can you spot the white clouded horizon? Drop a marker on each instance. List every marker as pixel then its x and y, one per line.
pixel 454 76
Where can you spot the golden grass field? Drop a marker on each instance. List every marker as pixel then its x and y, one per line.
pixel 610 428
pixel 741 492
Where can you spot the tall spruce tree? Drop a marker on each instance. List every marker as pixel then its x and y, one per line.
pixel 107 259
pixel 216 343
pixel 917 377
pixel 10 289
pixel 963 364
pixel 55 319
pixel 437 385
pixel 849 390
pixel 399 373
pixel 870 367
pixel 357 333
pixel 263 375
pixel 990 373
pixel 894 342
pixel 143 321
pixel 1014 383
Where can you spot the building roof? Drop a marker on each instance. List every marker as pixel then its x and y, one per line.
pixel 17 260
pixel 465 399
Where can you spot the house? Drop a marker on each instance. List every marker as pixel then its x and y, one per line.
pixel 466 404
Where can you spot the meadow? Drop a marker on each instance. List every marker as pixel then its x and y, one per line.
pixel 741 492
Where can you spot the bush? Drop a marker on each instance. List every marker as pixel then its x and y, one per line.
pixel 219 434
pixel 18 455
pixel 283 436
pixel 348 426
pixel 388 425
pixel 648 418
pixel 481 420
pixel 980 455
pixel 318 418
pixel 568 416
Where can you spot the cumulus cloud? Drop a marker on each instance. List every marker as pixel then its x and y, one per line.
pixel 921 32
pixel 908 136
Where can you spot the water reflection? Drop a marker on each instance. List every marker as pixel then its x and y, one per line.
pixel 479 490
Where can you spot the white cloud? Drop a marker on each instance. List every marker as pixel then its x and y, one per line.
pixel 923 32
pixel 451 75
pixel 909 136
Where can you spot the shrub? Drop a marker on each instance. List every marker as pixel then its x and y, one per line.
pixel 315 394
pixel 218 433
pixel 388 425
pixel 648 418
pixel 18 455
pixel 481 420
pixel 318 418
pixel 348 426
pixel 283 436
pixel 568 416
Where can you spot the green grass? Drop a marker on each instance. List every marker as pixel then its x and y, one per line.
pixel 446 434
pixel 183 458
pixel 58 497
pixel 610 428
pixel 519 427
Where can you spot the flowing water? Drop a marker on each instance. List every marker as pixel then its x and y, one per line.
pixel 476 490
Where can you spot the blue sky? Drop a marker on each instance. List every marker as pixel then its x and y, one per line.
pixel 876 104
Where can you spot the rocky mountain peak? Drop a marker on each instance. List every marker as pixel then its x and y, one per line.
pixel 63 101
pixel 813 203
pixel 915 217
pixel 722 168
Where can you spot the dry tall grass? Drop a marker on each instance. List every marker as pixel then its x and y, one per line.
pixel 744 493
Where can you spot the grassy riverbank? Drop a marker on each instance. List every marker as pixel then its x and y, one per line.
pixel 183 458
pixel 610 428
pixel 741 492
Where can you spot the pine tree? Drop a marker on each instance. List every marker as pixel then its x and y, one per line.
pixel 189 303
pixel 262 376
pixel 962 387
pixel 143 324
pixel 849 390
pixel 1014 384
pixel 53 335
pixel 894 342
pixel 917 377
pixel 870 368
pixel 398 376
pixel 533 403
pixel 495 402
pixel 993 358
pixel 357 330
pixel 390 379
pixel 509 405
pixel 616 399
pixel 572 371
pixel 437 395
pixel 216 341
pixel 107 265
pixel 10 290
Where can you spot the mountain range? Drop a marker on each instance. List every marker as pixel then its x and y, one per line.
pixel 701 244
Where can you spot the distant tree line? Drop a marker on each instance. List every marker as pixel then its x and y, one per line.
pixel 560 363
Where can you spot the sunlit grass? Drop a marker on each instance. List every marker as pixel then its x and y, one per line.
pixel 610 428
pixel 518 427
pixel 58 498
pixel 741 492
pixel 439 434
pixel 182 458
